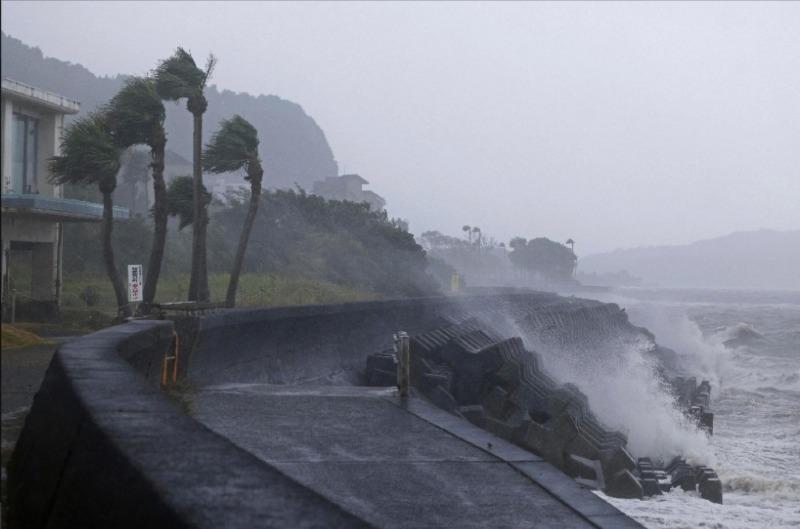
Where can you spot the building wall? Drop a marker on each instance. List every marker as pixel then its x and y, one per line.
pixel 49 130
pixel 29 236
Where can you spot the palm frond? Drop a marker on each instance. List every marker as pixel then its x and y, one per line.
pixel 88 154
pixel 136 113
pixel 180 200
pixel 232 147
pixel 211 62
pixel 179 77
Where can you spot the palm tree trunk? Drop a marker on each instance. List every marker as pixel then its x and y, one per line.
pixel 252 210
pixel 108 256
pixel 198 282
pixel 160 215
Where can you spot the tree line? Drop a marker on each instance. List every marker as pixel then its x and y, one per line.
pixel 92 147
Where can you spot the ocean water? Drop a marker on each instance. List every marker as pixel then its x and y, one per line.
pixel 755 448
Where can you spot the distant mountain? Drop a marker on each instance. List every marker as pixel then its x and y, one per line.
pixel 756 259
pixel 293 146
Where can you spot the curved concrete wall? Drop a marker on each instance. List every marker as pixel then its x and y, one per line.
pixel 104 448
pixel 331 342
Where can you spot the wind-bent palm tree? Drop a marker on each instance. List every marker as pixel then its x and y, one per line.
pixel 235 147
pixel 136 115
pixel 91 157
pixel 178 77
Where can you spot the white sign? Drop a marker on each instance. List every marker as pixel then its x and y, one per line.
pixel 135 283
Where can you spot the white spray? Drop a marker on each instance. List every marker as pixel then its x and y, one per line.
pixel 625 392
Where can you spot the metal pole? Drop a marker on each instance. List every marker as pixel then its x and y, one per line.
pixel 403 351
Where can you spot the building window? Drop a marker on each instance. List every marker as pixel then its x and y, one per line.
pixel 26 154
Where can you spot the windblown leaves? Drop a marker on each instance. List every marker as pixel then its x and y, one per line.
pixel 179 77
pixel 136 114
pixel 180 200
pixel 89 154
pixel 233 146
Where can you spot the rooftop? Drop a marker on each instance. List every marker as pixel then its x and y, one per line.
pixel 40 97
pixel 58 209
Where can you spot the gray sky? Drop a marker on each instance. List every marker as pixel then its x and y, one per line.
pixel 615 124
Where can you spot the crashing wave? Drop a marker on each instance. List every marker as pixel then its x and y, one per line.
pixel 742 334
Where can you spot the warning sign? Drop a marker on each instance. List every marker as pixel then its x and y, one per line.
pixel 135 283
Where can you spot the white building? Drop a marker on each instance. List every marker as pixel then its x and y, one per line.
pixel 33 209
pixel 348 187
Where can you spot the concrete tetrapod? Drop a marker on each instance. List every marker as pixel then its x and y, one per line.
pixel 499 385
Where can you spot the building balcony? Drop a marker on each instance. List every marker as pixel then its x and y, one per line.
pixel 39 97
pixel 56 209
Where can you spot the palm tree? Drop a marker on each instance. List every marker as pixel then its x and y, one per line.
pixel 178 77
pixel 575 259
pixel 136 115
pixel 235 147
pixel 91 157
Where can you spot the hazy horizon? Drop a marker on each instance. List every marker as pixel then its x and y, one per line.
pixel 618 125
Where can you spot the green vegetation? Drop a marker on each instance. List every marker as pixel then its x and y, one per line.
pixel 234 147
pixel 13 336
pixel 334 250
pixel 90 157
pixel 266 289
pixel 547 259
pixel 295 249
pixel 178 77
pixel 136 116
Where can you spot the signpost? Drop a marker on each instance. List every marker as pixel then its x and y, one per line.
pixel 135 283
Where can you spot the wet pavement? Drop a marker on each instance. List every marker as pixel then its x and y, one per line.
pixel 396 466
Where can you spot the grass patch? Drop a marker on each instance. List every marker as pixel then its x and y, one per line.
pixel 261 290
pixel 13 336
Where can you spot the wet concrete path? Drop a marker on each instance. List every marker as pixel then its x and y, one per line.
pixel 398 466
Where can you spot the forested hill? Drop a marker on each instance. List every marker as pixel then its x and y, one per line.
pixel 293 146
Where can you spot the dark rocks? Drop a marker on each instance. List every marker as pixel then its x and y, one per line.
pixel 624 484
pixel 708 484
pixel 695 400
pixel 499 385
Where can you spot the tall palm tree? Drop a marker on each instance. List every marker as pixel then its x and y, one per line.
pixel 178 77
pixel 235 147
pixel 89 156
pixel 136 115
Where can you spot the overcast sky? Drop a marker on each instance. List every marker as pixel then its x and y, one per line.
pixel 615 124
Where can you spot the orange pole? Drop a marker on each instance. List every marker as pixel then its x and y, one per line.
pixel 175 357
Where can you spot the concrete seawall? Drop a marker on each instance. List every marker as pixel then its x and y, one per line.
pixel 104 447
pixel 300 344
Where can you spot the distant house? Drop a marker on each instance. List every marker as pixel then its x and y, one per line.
pixel 33 209
pixel 348 187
